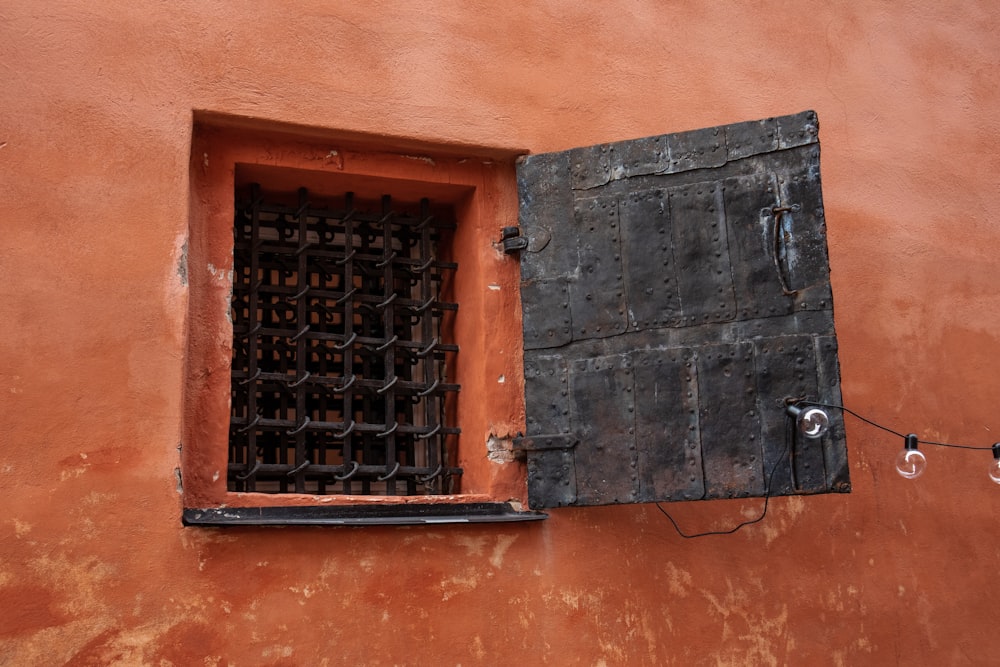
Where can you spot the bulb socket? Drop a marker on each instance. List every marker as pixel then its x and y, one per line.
pixel 811 421
pixel 911 441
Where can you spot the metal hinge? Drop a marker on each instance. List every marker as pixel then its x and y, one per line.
pixel 512 240
pixel 536 443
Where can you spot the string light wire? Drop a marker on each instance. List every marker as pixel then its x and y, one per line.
pixel 763 512
pixel 789 433
pixel 889 430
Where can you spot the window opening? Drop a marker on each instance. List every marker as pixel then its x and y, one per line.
pixel 339 369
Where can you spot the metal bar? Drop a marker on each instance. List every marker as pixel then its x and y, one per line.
pixel 434 452
pixel 301 353
pixel 280 425
pixel 252 344
pixel 350 335
pixel 352 469
pixel 389 355
pixel 282 209
pixel 365 449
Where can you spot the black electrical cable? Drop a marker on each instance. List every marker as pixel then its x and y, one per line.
pixel 715 532
pixel 889 430
pixel 763 513
pixel 790 434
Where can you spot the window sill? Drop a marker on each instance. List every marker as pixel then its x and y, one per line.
pixel 394 514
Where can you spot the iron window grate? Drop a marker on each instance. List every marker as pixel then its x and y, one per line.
pixel 339 382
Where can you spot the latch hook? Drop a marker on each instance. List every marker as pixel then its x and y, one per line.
pixel 512 240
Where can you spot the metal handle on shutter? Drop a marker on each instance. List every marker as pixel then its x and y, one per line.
pixel 777 245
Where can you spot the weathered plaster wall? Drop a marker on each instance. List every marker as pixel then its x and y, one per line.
pixel 95 132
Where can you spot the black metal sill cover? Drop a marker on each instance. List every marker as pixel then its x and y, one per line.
pixel 395 514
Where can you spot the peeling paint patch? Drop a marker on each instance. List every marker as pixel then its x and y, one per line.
pixel 459 584
pixel 306 592
pixel 478 649
pixel 182 263
pixel 499 450
pixel 219 274
pixel 21 528
pixel 502 545
pixel 678 580
pixel 474 546
pixel 421 158
pixel 72 473
pixel 277 652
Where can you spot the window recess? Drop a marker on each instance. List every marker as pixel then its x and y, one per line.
pixel 324 380
pixel 675 293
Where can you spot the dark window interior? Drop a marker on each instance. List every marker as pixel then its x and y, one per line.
pixel 340 355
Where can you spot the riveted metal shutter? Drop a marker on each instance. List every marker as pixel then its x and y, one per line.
pixel 676 291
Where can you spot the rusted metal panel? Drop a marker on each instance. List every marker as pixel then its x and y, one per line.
pixel 667 425
pixel 803 231
pixel 650 270
pixel 786 368
pixel 828 379
pixel 697 149
pixel 552 478
pixel 730 421
pixel 546 313
pixel 797 130
pixel 597 295
pixel 696 275
pixel 750 203
pixel 603 410
pixel 546 389
pixel 545 207
pixel 590 167
pixel 640 157
pixel 701 250
pixel 751 138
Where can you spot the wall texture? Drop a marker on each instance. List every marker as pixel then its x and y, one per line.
pixel 95 136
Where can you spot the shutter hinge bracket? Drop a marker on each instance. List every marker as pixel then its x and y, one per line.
pixel 536 443
pixel 512 240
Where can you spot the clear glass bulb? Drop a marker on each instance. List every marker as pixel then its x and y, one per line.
pixel 994 471
pixel 911 463
pixel 813 422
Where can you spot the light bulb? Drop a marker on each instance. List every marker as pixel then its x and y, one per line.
pixel 911 462
pixel 811 421
pixel 994 470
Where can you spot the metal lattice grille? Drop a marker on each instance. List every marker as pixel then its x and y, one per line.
pixel 339 370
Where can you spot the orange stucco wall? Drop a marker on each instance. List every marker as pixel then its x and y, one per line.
pixel 96 121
